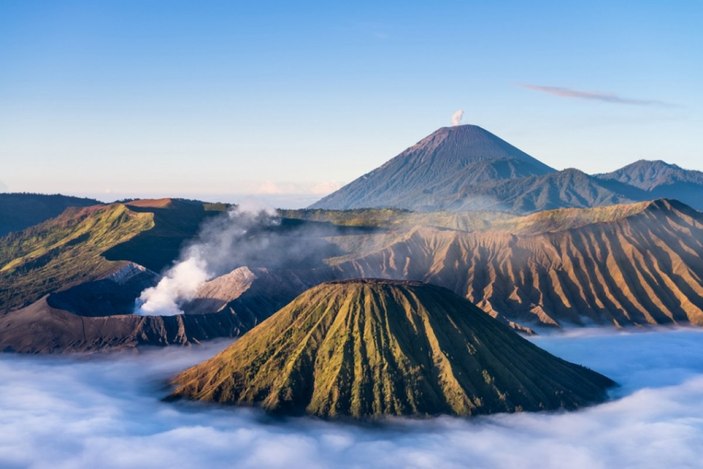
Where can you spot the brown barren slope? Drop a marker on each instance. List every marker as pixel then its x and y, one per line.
pixel 642 265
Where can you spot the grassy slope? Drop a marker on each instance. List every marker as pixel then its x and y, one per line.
pixel 551 220
pixel 370 348
pixel 78 246
pixel 64 251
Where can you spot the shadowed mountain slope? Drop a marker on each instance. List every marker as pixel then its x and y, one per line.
pixel 42 328
pixel 19 211
pixel 87 244
pixel 568 188
pixel 660 179
pixel 371 348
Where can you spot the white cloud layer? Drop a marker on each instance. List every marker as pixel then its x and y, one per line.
pixel 106 412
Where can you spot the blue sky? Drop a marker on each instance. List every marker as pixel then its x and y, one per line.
pixel 214 98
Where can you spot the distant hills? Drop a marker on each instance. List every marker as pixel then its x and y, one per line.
pixel 373 348
pixel 21 210
pixel 660 179
pixel 468 168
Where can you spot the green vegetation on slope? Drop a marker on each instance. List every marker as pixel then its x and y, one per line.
pixel 546 221
pixel 63 252
pixel 77 246
pixel 369 348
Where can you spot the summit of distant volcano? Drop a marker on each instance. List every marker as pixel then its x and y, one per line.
pixel 433 173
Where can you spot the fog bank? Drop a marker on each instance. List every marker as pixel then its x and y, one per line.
pixel 106 411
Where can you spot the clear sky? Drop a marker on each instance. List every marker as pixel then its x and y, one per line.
pixel 209 98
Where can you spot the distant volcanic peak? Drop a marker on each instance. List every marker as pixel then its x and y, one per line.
pixel 477 144
pixel 645 164
pixel 370 348
pixel 435 173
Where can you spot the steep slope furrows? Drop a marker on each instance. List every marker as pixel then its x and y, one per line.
pixel 442 170
pixel 643 268
pixel 391 348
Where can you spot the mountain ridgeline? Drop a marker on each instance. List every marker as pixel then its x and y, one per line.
pixel 22 210
pixel 374 348
pixel 661 180
pixel 70 283
pixel 465 167
pixel 621 265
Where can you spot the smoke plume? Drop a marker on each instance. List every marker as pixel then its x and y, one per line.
pixel 221 246
pixel 246 236
pixel 457 116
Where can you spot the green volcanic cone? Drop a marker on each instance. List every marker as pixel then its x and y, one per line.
pixel 371 348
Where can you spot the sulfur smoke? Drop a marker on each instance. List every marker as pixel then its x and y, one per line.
pixel 457 116
pixel 221 246
pixel 253 237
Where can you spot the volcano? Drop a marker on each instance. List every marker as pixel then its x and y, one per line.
pixel 466 168
pixel 373 348
pixel 436 172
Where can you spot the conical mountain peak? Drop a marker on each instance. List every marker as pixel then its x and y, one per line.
pixel 370 348
pixel 431 174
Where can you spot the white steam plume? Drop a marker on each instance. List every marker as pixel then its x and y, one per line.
pixel 179 284
pixel 215 252
pixel 457 116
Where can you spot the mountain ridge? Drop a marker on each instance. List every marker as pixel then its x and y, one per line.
pixel 658 178
pixel 644 267
pixel 21 210
pixel 468 168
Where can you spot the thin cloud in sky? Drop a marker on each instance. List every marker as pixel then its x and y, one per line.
pixel 594 96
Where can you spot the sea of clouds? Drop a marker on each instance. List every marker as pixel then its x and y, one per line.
pixel 106 411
